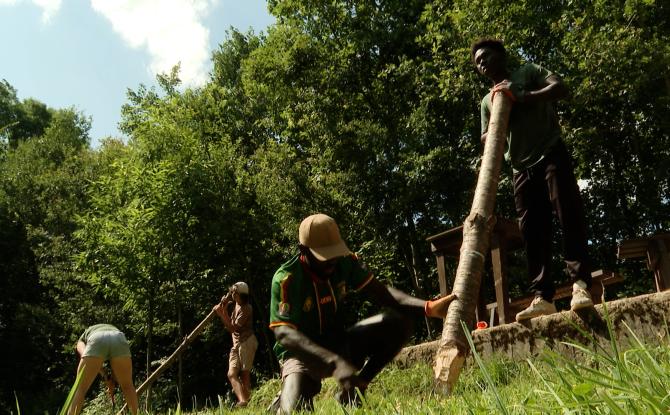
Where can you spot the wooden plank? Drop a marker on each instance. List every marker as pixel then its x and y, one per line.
pixel 498 262
pixel 442 275
pixel 663 266
pixel 632 243
pixel 632 252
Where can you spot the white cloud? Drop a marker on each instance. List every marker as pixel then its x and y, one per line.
pixel 171 31
pixel 49 7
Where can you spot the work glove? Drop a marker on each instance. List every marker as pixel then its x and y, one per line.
pixel 438 308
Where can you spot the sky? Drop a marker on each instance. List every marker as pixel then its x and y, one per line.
pixel 86 54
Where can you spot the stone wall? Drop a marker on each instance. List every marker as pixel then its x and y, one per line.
pixel 646 315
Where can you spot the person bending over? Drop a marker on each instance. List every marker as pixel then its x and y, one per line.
pixel 306 313
pixel 100 343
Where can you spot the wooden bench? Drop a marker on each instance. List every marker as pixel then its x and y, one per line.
pixel 505 237
pixel 656 250
pixel 600 279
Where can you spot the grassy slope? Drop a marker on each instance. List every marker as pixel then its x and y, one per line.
pixel 631 381
pixel 636 380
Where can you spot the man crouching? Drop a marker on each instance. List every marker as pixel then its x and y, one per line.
pixel 306 317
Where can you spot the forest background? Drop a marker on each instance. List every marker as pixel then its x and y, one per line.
pixel 367 110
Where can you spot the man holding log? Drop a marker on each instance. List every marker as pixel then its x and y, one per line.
pixel 544 181
pixel 240 325
pixel 306 314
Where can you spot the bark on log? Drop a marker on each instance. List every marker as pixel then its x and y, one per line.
pixel 477 227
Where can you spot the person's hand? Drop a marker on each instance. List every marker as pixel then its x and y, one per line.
pixel 438 308
pixel 218 308
pixel 346 375
pixel 513 90
pixel 227 298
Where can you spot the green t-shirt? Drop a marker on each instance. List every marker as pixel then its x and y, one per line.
pixel 533 128
pixel 301 300
pixel 94 329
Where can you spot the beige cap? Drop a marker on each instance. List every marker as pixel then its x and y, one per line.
pixel 321 235
pixel 241 287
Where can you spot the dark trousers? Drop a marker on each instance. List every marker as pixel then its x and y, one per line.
pixel 546 188
pixel 369 345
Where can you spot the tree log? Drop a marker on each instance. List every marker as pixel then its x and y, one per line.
pixel 477 227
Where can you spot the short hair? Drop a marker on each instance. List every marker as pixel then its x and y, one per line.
pixel 495 44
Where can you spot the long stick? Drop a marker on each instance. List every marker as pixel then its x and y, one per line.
pixel 187 340
pixel 476 238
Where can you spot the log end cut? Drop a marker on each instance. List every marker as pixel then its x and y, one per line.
pixel 448 364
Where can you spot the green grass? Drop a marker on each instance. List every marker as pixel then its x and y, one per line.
pixel 601 380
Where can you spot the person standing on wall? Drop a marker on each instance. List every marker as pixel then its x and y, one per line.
pixel 544 180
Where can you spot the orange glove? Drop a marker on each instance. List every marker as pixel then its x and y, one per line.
pixel 438 308
pixel 513 91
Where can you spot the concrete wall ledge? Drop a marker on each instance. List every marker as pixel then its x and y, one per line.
pixel 646 315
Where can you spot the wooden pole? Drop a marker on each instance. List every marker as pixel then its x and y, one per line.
pixel 170 360
pixel 477 228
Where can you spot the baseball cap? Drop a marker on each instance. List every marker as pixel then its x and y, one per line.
pixel 241 287
pixel 321 235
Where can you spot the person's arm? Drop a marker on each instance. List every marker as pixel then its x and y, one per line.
pixel 392 297
pixel 552 88
pixel 222 311
pixel 242 317
pixel 318 358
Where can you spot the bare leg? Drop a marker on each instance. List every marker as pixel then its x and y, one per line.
pixel 89 368
pixel 123 371
pixel 245 376
pixel 238 388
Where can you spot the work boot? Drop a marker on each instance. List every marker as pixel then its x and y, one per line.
pixel 581 297
pixel 539 307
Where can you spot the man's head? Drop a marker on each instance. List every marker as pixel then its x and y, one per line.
pixel 489 57
pixel 320 240
pixel 240 291
pixel 241 288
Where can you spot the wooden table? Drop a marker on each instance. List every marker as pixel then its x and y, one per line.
pixel 505 237
pixel 654 249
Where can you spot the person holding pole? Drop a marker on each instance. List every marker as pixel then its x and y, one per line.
pixel 544 181
pixel 306 316
pixel 100 343
pixel 240 325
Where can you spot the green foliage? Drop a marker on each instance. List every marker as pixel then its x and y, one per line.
pixel 365 110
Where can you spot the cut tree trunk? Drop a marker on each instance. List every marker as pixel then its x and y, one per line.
pixel 477 227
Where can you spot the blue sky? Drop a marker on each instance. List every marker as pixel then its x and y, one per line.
pixel 87 53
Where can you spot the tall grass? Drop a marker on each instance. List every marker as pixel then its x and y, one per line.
pixel 604 379
pixel 70 395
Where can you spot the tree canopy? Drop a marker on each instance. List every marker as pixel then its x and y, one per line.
pixel 365 110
